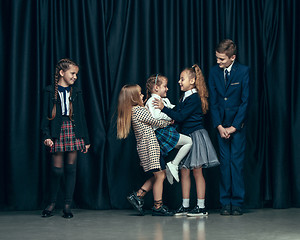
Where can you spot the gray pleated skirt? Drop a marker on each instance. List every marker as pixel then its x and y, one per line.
pixel 202 153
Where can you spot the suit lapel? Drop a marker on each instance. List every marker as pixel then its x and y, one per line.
pixel 221 78
pixel 232 74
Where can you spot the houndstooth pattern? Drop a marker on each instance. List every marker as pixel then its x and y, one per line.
pixel 147 144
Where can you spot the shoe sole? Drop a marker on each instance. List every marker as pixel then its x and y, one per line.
pixel 47 216
pixel 197 214
pixel 236 214
pixel 140 210
pixel 225 214
pixel 174 173
pixel 162 215
pixel 169 175
pixel 180 214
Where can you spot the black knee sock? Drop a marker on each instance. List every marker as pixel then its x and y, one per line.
pixel 56 174
pixel 70 179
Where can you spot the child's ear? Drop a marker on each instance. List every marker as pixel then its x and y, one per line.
pixel 192 81
pixel 61 72
pixel 155 88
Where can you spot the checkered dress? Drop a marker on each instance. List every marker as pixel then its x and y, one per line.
pixel 167 138
pixel 67 141
pixel 147 144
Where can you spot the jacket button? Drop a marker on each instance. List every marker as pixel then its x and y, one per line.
pixel 225 99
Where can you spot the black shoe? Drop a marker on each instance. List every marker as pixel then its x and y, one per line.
pixel 162 211
pixel 46 213
pixel 181 211
pixel 225 210
pixel 197 211
pixel 67 214
pixel 136 202
pixel 236 211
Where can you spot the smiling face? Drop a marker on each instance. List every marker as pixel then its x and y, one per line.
pixel 223 60
pixel 162 89
pixel 69 76
pixel 185 82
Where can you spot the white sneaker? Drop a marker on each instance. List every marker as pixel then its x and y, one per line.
pixel 174 170
pixel 169 175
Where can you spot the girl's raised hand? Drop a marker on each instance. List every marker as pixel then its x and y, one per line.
pixel 48 142
pixel 86 148
pixel 158 103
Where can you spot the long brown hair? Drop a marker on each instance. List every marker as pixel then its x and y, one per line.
pixel 195 72
pixel 153 80
pixel 63 64
pixel 129 96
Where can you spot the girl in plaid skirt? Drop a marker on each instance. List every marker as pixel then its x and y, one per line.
pixel 64 131
pixel 168 138
pixel 131 110
pixel 189 115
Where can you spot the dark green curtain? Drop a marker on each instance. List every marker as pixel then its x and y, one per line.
pixel 116 42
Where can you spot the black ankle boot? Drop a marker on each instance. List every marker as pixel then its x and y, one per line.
pixel 48 211
pixel 67 211
pixel 136 202
pixel 67 214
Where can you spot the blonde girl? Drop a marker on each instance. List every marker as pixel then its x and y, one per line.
pixel 132 111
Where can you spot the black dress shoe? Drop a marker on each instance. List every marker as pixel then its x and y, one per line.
pixel 225 210
pixel 236 211
pixel 47 213
pixel 162 211
pixel 136 202
pixel 67 214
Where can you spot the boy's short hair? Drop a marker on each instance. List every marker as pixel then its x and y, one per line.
pixel 226 46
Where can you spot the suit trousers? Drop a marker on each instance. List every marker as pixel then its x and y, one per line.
pixel 232 151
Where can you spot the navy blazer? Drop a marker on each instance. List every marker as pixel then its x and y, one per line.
pixel 228 104
pixel 51 128
pixel 188 114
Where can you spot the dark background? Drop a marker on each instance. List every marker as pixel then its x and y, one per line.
pixel 116 42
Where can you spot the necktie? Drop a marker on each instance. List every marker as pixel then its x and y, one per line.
pixel 226 76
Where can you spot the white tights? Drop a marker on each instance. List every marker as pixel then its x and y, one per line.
pixel 184 145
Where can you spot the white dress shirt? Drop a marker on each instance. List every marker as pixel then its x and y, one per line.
pixel 156 112
pixel 189 93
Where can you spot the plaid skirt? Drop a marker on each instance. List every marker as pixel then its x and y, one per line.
pixel 67 141
pixel 167 138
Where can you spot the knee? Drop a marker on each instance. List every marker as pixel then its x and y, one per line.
pixel 190 142
pixel 160 176
pixel 197 173
pixel 57 171
pixel 185 173
pixel 70 168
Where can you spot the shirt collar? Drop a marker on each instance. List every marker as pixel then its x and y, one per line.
pixel 63 89
pixel 189 93
pixel 155 95
pixel 230 67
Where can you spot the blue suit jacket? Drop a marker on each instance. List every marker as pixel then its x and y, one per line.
pixel 228 104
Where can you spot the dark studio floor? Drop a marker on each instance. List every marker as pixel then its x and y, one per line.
pixel 125 224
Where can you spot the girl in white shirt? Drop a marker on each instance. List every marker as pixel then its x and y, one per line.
pixel 168 138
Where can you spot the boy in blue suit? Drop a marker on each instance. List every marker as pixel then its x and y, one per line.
pixel 229 93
